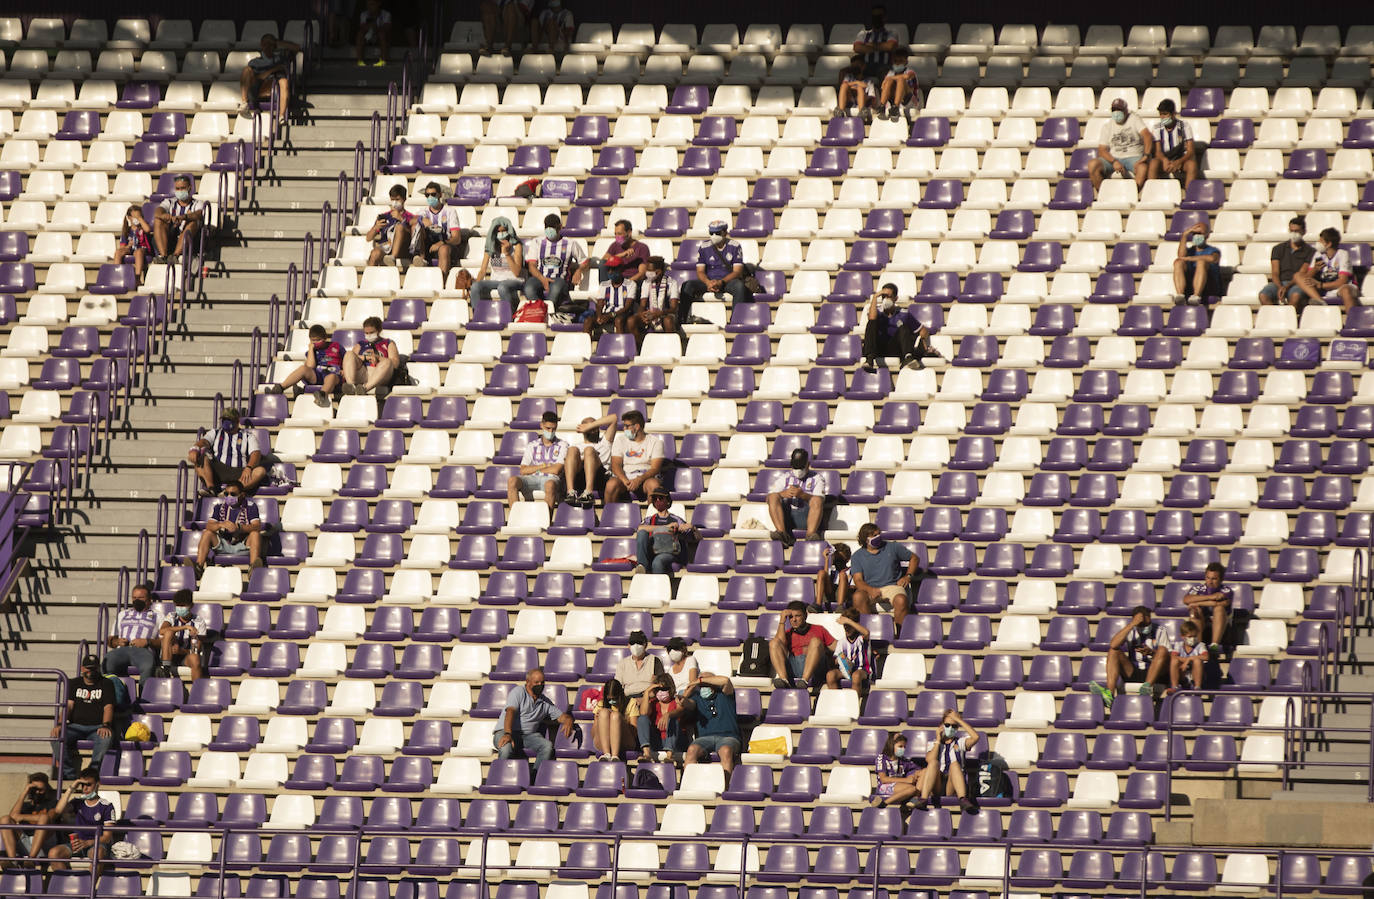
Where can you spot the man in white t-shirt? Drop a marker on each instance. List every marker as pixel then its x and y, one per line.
pixel 541 466
pixel 1125 149
pixel 1330 275
pixel 592 460
pixel 636 460
pixel 374 30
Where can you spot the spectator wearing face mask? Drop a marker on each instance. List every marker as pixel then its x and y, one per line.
pixel 177 221
pixel 832 580
pixel 81 806
pixel 90 716
pixel 855 88
pixel 799 649
pixel 612 310
pixel 900 87
pixel 876 569
pixel 1197 267
pixel 370 362
pixel 391 234
pixel 682 665
pixel 636 460
pixel 553 25
pixel 853 655
pixel 182 633
pixel 1139 654
pixel 234 529
pixel 944 774
pixel 1174 152
pixel 710 707
pixel 1126 148
pixel 893 332
pixel 525 723
pixel 439 239
pixel 227 454
pixel 636 674
pixel 658 725
pixel 663 538
pixel 656 305
pixel 323 366
pixel 132 644
pixel 626 255
pixel 592 460
pixel 1185 668
pixel 541 467
pixel 800 503
pixel 136 240
pixel 896 773
pixel 503 264
pixel 554 263
pixel 1286 261
pixel 34 807
pixel 1330 276
pixel 720 271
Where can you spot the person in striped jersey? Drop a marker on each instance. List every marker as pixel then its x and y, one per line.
pixel 554 263
pixel 131 644
pixel 1175 154
pixel 228 454
pixel 656 306
pixel 611 311
pixel 541 467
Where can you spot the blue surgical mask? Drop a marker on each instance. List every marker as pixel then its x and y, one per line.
pixel 1168 121
pixel 1198 240
pixel 551 233
pixel 434 202
pixel 1119 117
pixel 950 731
pixel 707 692
pixel 183 611
pixel 182 195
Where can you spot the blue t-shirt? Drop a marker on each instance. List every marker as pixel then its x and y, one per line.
pixel 899 317
pixel 531 714
pixel 719 261
pixel 1204 250
pixel 881 568
pixel 715 717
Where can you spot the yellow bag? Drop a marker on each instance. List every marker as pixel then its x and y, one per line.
pixel 138 732
pixel 770 746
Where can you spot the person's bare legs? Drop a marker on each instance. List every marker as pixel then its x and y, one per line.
pixel 204 471
pixel 1155 673
pixel 353 369
pixel 615 490
pixel 1142 173
pixel 727 761
pixel 1200 277
pixel 184 238
pixel 553 493
pixel 814 512
pixel 1218 622
pixel 777 655
pixel 1097 173
pixel 954 783
pixel 1116 661
pixel 512 15
pixel 1189 172
pixel 162 236
pixel 815 652
pixel 774 502
pixel 248 87
pixel 490 14
pixel 445 259
pixel 378 374
pixel 208 541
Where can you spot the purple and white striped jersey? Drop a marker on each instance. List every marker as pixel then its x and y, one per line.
pixel 135 625
pixel 614 300
pixel 537 452
pixel 656 294
pixel 555 258
pixel 233 448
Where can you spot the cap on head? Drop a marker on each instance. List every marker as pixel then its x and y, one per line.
pixel 717 227
pixel 660 491
pixel 1167 105
pixel 1120 104
pixel 91 661
pixel 550 417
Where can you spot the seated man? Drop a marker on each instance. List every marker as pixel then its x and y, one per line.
pixel 1175 155
pixel 266 71
pixel 1139 654
pixel 525 722
pixel 656 307
pixel 507 18
pixel 1198 264
pixel 1286 260
pixel 855 88
pixel 1126 148
pixel 876 569
pixel 1209 604
pixel 554 264
pixel 663 538
pixel 1330 274
pixel 636 460
pixel 554 25
pixel 611 311
pixel 898 92
pixel 133 643
pixel 82 807
pixel 592 460
pixel 800 650
pixel 720 270
pixel 234 528
pixel 228 454
pixel 541 467
pixel 177 221
pixel 709 705
pixel 374 30
pixel 391 233
pixel 90 716
pixel 625 255
pixel 182 634
pixel 34 807
pixel 800 503
pixel 1185 668
pixel 894 332
pixel 371 362
pixel 323 365
pixel 437 238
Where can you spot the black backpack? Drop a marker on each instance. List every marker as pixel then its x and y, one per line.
pixel 645 779
pixel 755 661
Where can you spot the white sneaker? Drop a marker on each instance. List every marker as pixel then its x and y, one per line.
pixel 1195 300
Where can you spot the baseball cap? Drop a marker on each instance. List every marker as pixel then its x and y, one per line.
pixel 550 417
pixel 717 227
pixel 91 661
pixel 1119 103
pixel 660 491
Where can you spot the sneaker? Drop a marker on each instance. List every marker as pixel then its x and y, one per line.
pixel 321 399
pixel 1146 690
pixel 272 388
pixel 638 569
pixel 915 362
pixel 379 63
pixel 572 499
pixel 967 805
pixel 245 109
pixel 777 535
pixel 388 259
pixel 1179 299
pixel 871 366
pixel 1214 650
pixel 418 260
pixel 1107 696
pixel 256 563
pixel 780 683
pixel 837 113
pixel 297 391
pixel 588 501
pixel 787 538
pixel 920 803
pixel 814 536
pixel 867 116
pixel 199 569
pixel 362 63
pixel 1172 690
pixel 1195 300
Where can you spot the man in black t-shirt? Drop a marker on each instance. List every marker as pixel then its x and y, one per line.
pixel 34 807
pixel 90 716
pixel 1285 261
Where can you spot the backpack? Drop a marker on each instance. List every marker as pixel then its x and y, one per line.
pixel 990 773
pixel 645 779
pixel 533 312
pixel 755 662
pixel 122 699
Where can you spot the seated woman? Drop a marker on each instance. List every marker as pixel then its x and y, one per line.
pixel 660 731
pixel 944 774
pixel 610 726
pixel 898 777
pixel 503 264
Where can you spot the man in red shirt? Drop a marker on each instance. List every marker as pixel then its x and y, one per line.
pixel 800 649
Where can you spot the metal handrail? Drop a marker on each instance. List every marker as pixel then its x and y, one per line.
pixel 59 706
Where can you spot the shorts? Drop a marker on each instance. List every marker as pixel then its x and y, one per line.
pixel 232 546
pixel 716 743
pixel 1271 293
pixel 528 483
pixel 796 665
pixel 324 371
pixel 225 473
pixel 891 592
pixel 1126 161
pixel 866 84
pixel 795 516
pixel 1213 286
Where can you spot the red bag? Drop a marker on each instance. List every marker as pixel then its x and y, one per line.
pixel 533 312
pixel 589 700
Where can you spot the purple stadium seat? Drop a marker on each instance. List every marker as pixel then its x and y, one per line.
pixel 929 131
pixel 715 131
pixel 1058 131
pixel 1072 193
pixel 942 193
pixel 1308 164
pixel 1233 134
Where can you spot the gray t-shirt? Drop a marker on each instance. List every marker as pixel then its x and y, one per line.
pixel 1291 259
pixel 531 714
pixel 1124 140
pixel 881 568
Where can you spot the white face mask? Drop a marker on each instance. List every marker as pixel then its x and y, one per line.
pixel 397 204
pixel 1119 117
pixel 653 276
pixel 718 240
pixel 1295 237
pixel 888 304
pixel 1190 641
pixel 675 655
pixel 637 650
